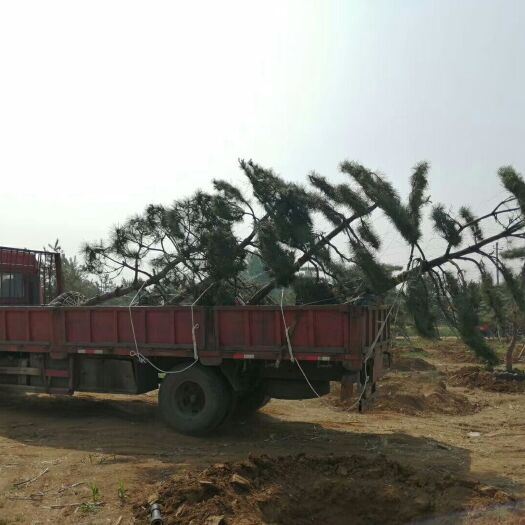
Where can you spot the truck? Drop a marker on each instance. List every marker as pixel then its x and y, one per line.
pixel 209 364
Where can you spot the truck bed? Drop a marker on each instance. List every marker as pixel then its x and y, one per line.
pixel 243 354
pixel 324 333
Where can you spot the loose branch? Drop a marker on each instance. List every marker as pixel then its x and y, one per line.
pixel 27 481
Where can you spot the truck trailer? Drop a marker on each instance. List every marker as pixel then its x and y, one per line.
pixel 208 363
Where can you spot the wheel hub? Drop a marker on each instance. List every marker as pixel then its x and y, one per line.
pixel 190 398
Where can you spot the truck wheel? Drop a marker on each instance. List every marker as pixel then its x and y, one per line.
pixel 195 401
pixel 247 403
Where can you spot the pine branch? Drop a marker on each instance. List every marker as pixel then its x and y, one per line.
pixel 155 279
pixel 322 243
pixel 450 256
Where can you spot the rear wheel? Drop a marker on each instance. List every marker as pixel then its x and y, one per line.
pixel 194 401
pixel 247 403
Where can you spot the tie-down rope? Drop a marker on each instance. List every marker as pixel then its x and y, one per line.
pixel 369 352
pixel 194 327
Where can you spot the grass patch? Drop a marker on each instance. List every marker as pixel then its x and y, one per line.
pixel 88 508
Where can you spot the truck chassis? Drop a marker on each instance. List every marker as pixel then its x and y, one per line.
pixel 211 363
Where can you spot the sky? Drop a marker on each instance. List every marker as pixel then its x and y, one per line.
pixel 107 106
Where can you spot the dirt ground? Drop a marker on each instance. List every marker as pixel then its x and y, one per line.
pixel 429 452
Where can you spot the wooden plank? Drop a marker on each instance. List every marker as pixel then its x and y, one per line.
pixel 19 370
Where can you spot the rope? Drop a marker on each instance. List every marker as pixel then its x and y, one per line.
pixel 369 353
pixel 290 350
pixel 367 356
pixel 396 303
pixel 194 327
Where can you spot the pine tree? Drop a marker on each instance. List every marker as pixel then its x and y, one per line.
pixel 193 248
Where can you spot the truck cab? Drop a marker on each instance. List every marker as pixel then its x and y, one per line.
pixel 28 277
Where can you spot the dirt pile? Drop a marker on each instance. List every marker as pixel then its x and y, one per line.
pixel 420 394
pixel 475 377
pixel 412 394
pixel 404 363
pixel 306 490
pixel 453 351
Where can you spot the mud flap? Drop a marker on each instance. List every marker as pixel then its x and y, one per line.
pixel 347 386
pixel 378 369
pixel 368 396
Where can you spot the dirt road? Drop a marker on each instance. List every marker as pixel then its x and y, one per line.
pixel 108 452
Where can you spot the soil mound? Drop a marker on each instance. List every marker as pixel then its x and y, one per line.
pixel 415 394
pixel 306 490
pixel 452 351
pixel 475 377
pixel 407 364
pixel 418 394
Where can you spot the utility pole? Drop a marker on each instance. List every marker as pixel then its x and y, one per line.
pixel 497 261
pixel 497 283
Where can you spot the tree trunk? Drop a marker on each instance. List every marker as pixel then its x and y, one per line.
pixel 509 356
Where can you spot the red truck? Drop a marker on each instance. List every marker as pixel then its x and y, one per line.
pixel 210 362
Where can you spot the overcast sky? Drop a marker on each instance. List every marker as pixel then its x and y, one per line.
pixel 107 106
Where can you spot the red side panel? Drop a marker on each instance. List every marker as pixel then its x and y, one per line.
pixel 323 333
pixel 41 327
pixel 153 326
pixel 19 324
pixel 329 328
pixel 159 326
pixel 314 329
pixel 265 328
pixel 13 260
pixel 104 326
pixel 78 326
pixel 231 328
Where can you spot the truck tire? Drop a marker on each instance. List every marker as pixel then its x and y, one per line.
pixel 195 401
pixel 247 403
